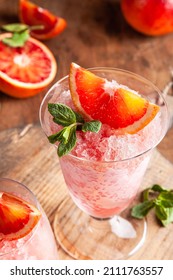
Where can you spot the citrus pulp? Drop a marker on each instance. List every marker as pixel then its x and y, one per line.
pixel 113 104
pixel 27 70
pixel 17 217
pixel 32 14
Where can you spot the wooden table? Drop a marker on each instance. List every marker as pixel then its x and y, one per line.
pixel 97 35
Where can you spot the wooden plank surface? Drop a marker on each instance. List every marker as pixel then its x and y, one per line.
pixel 96 35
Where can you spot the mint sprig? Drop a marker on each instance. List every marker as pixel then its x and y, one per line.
pixel 159 199
pixel 20 33
pixel 71 122
pixel 17 39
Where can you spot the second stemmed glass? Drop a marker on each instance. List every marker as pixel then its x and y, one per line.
pixel 96 223
pixel 39 244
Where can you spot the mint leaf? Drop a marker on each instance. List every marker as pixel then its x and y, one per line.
pixel 65 147
pixel 93 126
pixel 67 134
pixel 157 188
pixel 72 121
pixel 17 39
pixel 158 198
pixel 59 136
pixel 146 194
pixel 169 217
pixel 166 199
pixel 63 115
pixel 14 27
pixel 152 191
pixel 141 210
pixel 63 135
pixel 20 27
pixel 20 33
pixel 79 118
pixel 161 213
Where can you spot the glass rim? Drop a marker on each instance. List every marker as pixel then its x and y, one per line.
pixel 132 74
pixel 34 229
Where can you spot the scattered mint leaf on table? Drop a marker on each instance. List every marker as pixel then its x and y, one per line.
pixel 157 188
pixel 161 212
pixel 169 217
pixel 71 122
pixel 141 210
pixel 159 199
pixel 166 199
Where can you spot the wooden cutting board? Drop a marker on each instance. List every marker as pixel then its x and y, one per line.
pixel 26 156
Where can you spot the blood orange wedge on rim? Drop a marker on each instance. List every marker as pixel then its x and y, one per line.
pixel 96 98
pixel 32 14
pixel 17 217
pixel 25 71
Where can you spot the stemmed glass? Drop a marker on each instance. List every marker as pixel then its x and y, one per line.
pixel 94 222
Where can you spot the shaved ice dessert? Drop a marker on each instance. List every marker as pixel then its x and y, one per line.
pixel 104 170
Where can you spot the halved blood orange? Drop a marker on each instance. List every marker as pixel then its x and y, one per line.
pixel 17 217
pixel 95 98
pixel 27 70
pixel 31 14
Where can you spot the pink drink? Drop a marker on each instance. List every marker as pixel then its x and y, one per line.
pixel 103 197
pixel 104 171
pixel 39 244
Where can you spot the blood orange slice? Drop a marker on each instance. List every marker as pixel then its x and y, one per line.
pixel 17 217
pixel 32 14
pixel 27 70
pixel 96 98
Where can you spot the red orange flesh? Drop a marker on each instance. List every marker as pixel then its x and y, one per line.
pixel 17 217
pixel 27 70
pixel 32 14
pixel 118 107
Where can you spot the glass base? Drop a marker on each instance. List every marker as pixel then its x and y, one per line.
pixel 86 238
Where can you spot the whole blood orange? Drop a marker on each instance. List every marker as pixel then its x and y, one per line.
pixel 32 14
pixel 17 217
pixel 27 70
pixel 96 98
pixel 149 17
